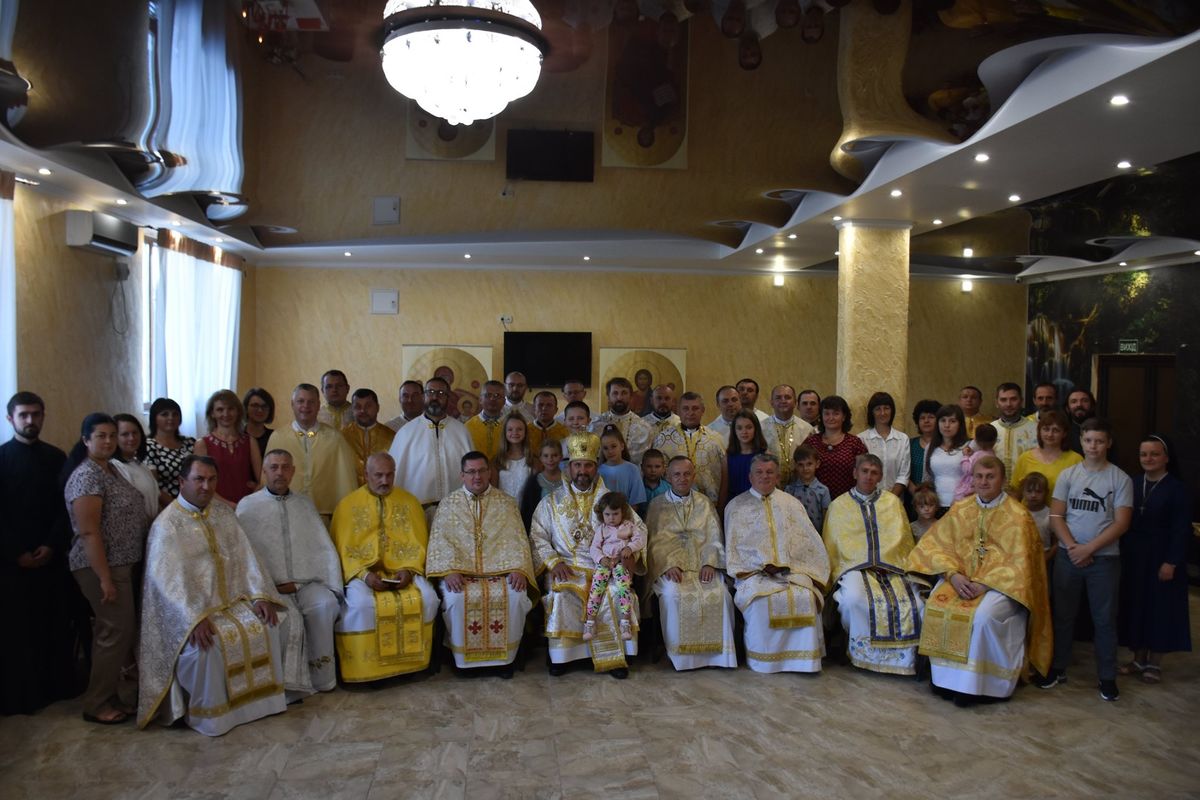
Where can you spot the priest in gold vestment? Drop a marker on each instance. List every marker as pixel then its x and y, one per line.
pixel 324 461
pixel 686 567
pixel 487 427
pixel 479 548
pixel 561 535
pixel 365 434
pixel 704 448
pixel 868 538
pixel 987 622
pixel 780 569
pixel 210 649
pixel 379 531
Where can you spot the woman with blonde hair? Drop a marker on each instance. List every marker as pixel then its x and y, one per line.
pixel 239 462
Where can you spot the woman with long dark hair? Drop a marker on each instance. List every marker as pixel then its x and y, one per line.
pixel 943 459
pixel 837 446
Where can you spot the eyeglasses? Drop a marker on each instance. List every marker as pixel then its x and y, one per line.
pixel 436 392
pixel 473 472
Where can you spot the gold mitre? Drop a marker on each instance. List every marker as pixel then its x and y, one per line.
pixel 583 447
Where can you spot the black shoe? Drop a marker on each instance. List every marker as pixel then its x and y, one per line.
pixel 506 673
pixel 945 694
pixel 1109 691
pixel 963 700
pixel 1051 679
pixel 558 670
pixel 620 673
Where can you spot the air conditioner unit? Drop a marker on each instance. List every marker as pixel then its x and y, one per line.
pixel 101 233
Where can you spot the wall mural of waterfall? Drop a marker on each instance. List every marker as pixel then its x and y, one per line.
pixel 1073 320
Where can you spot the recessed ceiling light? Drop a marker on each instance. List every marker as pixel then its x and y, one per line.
pixel 587 258
pixel 347 254
pixel 1123 264
pixel 121 201
pixel 982 157
pixel 176 223
pixel 937 222
pixel 219 240
pixel 967 285
pixel 896 192
pixel 779 279
pixel 971 185
pixel 1123 165
pixel 968 252
pixel 467 256
pixel 1119 100
pixel 837 219
pixel 44 171
pixel 791 236
pixel 1197 253
pixel 758 251
pixel 1014 198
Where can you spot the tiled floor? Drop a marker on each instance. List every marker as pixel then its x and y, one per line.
pixel 711 733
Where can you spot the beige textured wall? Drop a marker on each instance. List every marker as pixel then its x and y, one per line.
pixel 69 349
pixel 957 338
pixel 311 320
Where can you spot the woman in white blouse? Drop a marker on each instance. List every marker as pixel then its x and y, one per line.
pixel 131 451
pixel 945 455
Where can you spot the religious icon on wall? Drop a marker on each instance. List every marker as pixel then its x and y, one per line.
pixel 645 368
pixel 461 365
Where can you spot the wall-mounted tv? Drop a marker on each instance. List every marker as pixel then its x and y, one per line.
pixel 550 155
pixel 549 358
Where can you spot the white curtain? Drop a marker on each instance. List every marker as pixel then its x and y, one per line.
pixel 8 308
pixel 197 306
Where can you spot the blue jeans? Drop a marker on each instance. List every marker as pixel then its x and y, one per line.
pixel 1102 580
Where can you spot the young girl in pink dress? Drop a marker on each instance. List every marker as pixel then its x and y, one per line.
pixel 615 538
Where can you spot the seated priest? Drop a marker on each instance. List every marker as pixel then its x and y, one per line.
pixel 209 649
pixel 868 538
pixel 686 566
pixel 294 547
pixel 479 548
pixel 780 569
pixel 987 621
pixel 561 535
pixel 379 531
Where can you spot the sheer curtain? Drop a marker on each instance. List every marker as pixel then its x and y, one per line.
pixel 8 298
pixel 196 308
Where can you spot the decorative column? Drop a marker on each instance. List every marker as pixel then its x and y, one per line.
pixel 872 321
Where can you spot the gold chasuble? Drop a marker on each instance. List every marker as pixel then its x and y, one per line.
pixel 200 565
pixel 482 538
pixel 324 464
pixel 487 435
pixel 365 442
pixel 685 533
pixel 775 530
pixel 383 535
pixel 999 547
pixel 538 435
pixel 871 535
pixel 703 447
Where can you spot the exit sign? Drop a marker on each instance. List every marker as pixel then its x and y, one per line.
pixel 1127 346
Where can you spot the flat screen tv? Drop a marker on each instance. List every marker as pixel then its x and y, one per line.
pixel 549 358
pixel 550 155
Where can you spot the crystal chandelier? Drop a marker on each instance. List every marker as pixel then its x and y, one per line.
pixel 462 60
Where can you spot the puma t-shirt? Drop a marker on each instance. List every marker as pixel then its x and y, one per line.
pixel 1092 498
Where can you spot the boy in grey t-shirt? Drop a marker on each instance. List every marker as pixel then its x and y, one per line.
pixel 1092 508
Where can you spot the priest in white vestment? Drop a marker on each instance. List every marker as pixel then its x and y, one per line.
pixel 479 548
pixel 561 535
pixel 686 566
pixel 781 570
pixel 785 430
pixel 636 431
pixel 428 450
pixel 698 444
pixel 294 547
pixel 209 650
pixel 868 538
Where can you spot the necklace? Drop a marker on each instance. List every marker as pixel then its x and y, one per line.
pixel 1148 487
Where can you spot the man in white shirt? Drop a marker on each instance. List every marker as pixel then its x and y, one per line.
pixel 515 387
pixel 1014 433
pixel 412 404
pixel 747 389
pixel 428 451
pixel 730 403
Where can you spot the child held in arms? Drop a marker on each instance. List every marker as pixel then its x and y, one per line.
pixel 615 538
